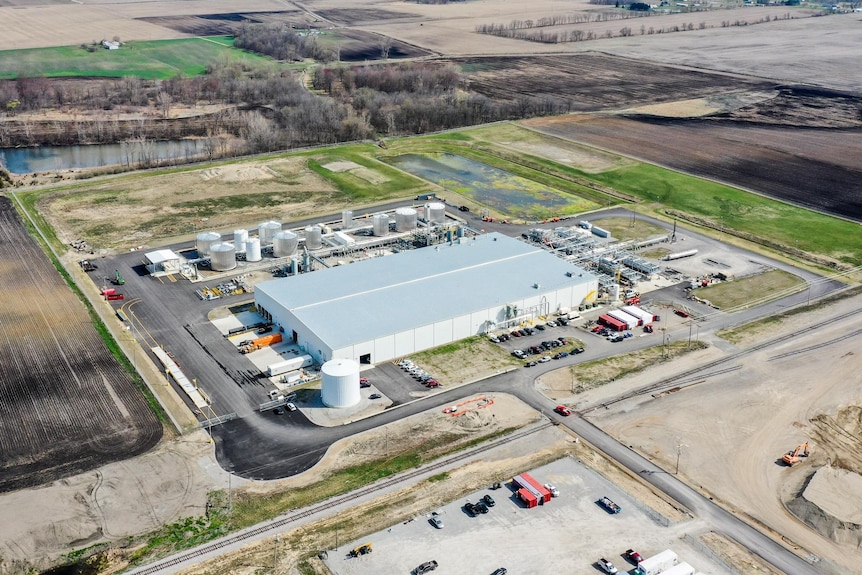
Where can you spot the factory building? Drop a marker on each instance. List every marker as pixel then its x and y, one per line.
pixel 383 308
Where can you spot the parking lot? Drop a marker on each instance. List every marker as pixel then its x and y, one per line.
pixel 568 535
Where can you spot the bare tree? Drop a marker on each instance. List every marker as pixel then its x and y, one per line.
pixel 163 101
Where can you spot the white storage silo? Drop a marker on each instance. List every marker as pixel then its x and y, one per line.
pixel 284 244
pixel 435 212
pixel 240 237
pixel 266 232
pixel 204 241
pixel 346 219
pixel 380 224
pixel 405 219
pixel 313 237
pixel 222 257
pixel 252 250
pixel 340 385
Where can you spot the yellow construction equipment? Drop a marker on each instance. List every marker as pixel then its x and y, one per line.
pixel 793 457
pixel 361 550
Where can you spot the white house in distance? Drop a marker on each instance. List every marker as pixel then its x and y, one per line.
pixel 383 308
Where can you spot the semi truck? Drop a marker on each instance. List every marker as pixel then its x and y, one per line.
pixel 287 365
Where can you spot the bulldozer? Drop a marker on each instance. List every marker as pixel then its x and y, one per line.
pixel 794 456
pixel 363 549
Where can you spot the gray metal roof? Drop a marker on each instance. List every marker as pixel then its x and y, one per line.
pixel 353 303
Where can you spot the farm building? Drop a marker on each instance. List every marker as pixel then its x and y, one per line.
pixel 382 308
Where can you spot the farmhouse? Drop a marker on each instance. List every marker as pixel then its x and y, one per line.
pixel 379 309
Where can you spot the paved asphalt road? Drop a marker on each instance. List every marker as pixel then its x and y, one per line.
pixel 265 446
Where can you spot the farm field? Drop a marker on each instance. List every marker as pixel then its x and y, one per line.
pixel 151 60
pixel 66 403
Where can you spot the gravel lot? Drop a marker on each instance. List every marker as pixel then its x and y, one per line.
pixel 571 531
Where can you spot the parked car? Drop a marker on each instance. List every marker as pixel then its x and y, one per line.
pixel 470 509
pixel 375 396
pixel 551 324
pixel 607 566
pixel 562 321
pixel 578 350
pixel 681 313
pixel 432 383
pixel 515 333
pixel 500 571
pixel 648 328
pixel 451 409
pixel 553 489
pixel 563 410
pixel 480 506
pixel 503 337
pixel 489 501
pixel 531 364
pixel 540 327
pixel 366 384
pixel 463 209
pixel 278 410
pixel 425 568
pixel 545 359
pixel 633 556
pixel 290 406
pixel 436 521
pixel 561 355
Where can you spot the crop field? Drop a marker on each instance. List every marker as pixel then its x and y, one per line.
pixel 225 23
pixel 153 60
pixel 66 403
pixel 593 81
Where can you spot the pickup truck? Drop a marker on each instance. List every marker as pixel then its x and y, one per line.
pixel 607 566
pixel 609 505
pixel 633 556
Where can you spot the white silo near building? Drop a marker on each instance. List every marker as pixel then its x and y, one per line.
pixel 380 224
pixel 240 237
pixel 266 232
pixel 313 238
pixel 222 257
pixel 346 219
pixel 405 219
pixel 205 240
pixel 284 244
pixel 435 212
pixel 340 385
pixel 252 250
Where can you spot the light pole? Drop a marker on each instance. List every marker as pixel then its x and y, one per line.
pixel 679 446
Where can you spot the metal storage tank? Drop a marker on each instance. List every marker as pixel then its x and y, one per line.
pixel 205 240
pixel 285 244
pixel 340 385
pixel 405 219
pixel 240 237
pixel 252 250
pixel 435 213
pixel 266 232
pixel 380 224
pixel 346 219
pixel 223 257
pixel 313 237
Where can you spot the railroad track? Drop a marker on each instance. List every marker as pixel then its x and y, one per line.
pixel 328 505
pixel 815 347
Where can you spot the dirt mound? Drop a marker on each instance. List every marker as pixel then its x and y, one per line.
pixel 831 504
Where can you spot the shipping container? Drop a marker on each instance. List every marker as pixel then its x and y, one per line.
pixel 630 320
pixel 525 481
pixel 657 563
pixel 287 365
pixel 612 322
pixel 601 232
pixel 528 498
pixel 266 340
pixel 645 316
pixel 681 569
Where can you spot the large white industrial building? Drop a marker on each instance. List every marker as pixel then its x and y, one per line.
pixel 383 308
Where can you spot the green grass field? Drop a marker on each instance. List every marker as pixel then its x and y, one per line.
pixel 158 59
pixel 758 288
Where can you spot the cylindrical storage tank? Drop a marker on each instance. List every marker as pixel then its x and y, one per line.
pixel 405 219
pixel 252 250
pixel 266 232
pixel 222 257
pixel 205 240
pixel 380 224
pixel 346 219
pixel 435 212
pixel 240 237
pixel 340 383
pixel 284 244
pixel 313 237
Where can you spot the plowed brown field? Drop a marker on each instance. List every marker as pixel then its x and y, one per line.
pixel 66 404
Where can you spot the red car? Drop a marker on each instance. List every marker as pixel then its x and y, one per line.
pixel 633 556
pixel 563 410
pixel 681 313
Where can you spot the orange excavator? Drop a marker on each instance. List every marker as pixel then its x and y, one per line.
pixel 793 457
